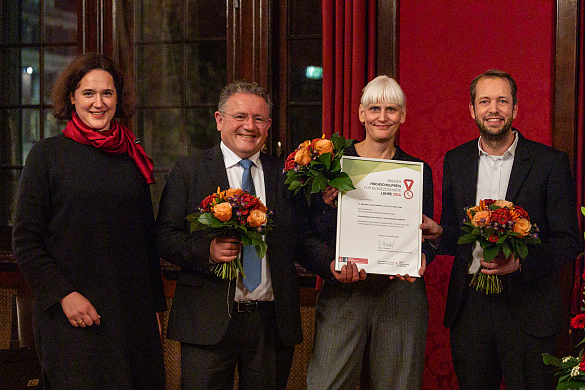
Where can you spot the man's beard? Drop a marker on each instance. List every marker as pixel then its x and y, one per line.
pixel 493 135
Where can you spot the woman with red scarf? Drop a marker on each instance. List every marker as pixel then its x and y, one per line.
pixel 83 239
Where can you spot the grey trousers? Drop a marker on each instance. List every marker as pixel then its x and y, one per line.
pixel 378 320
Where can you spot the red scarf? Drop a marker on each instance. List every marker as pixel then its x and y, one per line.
pixel 117 140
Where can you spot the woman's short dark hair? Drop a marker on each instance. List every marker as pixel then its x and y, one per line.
pixel 68 81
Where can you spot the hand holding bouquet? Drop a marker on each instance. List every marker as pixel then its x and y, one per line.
pixel 316 164
pixel 233 213
pixel 500 227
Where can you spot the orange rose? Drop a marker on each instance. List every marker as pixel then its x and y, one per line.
pixel 472 210
pixel 231 192
pixel 305 144
pixel 522 227
pixel 503 203
pixel 261 207
pixel 257 218
pixel 481 218
pixel 303 156
pixel 322 145
pixel 222 211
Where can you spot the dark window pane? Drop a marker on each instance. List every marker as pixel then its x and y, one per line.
pixel 9 179
pixel 206 19
pixel 201 129
pixel 206 71
pixel 10 142
pixel 31 130
pixel 53 126
pixel 159 78
pixel 304 124
pixel 161 131
pixel 159 20
pixel 305 17
pixel 29 21
pixel 10 82
pixel 30 76
pixel 61 21
pixel 56 60
pixel 305 59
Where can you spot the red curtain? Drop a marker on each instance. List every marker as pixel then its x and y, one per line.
pixel 349 62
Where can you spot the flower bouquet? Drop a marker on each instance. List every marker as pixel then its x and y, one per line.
pixel 316 164
pixel 233 212
pixel 570 369
pixel 500 227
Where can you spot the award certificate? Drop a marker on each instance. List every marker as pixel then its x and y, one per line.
pixel 378 223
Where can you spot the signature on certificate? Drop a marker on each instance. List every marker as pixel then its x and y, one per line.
pixel 389 245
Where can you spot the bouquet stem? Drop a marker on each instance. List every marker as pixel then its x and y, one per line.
pixel 491 284
pixel 230 270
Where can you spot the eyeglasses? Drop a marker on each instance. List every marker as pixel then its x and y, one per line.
pixel 258 120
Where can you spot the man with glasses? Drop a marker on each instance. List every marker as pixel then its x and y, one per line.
pixel 252 322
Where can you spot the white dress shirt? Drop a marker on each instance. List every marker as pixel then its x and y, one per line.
pixel 234 173
pixel 492 183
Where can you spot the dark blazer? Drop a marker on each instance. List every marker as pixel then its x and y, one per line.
pixel 200 313
pixel 542 184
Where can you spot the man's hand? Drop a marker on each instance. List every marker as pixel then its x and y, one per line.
pixel 349 273
pixel 500 265
pixel 421 271
pixel 431 230
pixel 79 311
pixel 224 249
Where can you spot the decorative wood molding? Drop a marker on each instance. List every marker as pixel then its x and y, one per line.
pixel 565 82
pixel 387 38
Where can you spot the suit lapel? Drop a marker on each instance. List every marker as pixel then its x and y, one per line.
pixel 270 180
pixel 216 168
pixel 468 175
pixel 520 168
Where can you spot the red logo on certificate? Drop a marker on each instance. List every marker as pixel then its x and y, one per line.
pixel 408 193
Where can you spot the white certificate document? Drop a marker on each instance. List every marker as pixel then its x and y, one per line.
pixel 378 223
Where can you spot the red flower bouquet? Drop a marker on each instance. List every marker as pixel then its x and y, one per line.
pixel 316 164
pixel 233 212
pixel 500 227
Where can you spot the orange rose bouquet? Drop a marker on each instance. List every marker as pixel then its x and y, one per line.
pixel 500 227
pixel 316 164
pixel 233 212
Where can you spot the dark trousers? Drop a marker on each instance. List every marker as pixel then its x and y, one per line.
pixel 487 344
pixel 252 343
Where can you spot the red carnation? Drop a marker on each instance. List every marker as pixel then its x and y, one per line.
pixel 582 366
pixel 493 238
pixel 521 212
pixel 488 202
pixel 501 216
pixel 207 201
pixel 578 322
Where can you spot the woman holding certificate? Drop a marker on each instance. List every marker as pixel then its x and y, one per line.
pixel 359 317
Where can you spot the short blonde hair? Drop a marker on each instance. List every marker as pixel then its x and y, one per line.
pixel 383 89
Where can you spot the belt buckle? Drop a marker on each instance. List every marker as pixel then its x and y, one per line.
pixel 247 306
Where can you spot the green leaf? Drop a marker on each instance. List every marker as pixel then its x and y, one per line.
pixel 319 184
pixel 490 253
pixel 295 184
pixel 335 166
pixel 466 238
pixel 325 159
pixel 551 360
pixel 342 182
pixel 206 218
pixel 522 250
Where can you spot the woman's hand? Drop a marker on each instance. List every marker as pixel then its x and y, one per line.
pixel 421 271
pixel 79 311
pixel 431 230
pixel 329 196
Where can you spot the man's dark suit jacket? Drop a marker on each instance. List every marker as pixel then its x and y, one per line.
pixel 200 313
pixel 542 184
